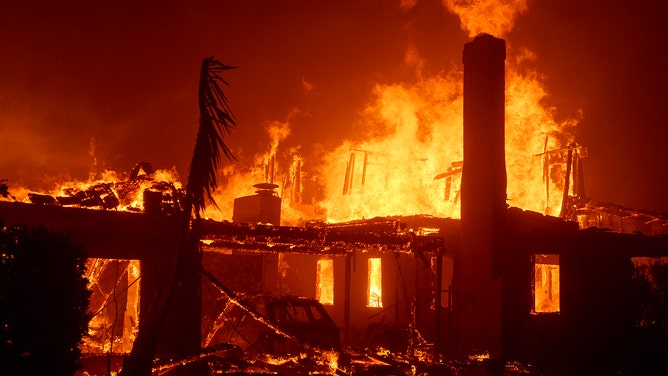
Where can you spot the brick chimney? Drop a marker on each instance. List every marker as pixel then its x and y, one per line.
pixel 483 195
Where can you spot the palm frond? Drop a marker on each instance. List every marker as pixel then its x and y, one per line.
pixel 216 120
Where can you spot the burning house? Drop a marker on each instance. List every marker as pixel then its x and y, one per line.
pixel 502 282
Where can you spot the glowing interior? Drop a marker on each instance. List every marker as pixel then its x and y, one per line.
pixel 546 284
pixel 375 291
pixel 324 289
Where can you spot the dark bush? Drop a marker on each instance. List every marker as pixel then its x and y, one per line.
pixel 43 302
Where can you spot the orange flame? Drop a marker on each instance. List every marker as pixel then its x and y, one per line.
pixel 409 159
pixel 410 162
pixel 415 134
pixel 496 17
pixel 268 167
pixel 130 193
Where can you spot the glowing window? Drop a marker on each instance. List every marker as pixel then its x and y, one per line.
pixel 375 291
pixel 115 296
pixel 324 289
pixel 546 284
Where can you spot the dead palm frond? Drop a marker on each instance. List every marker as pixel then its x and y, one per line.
pixel 216 120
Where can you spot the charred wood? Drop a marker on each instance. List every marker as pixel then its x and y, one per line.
pixel 328 239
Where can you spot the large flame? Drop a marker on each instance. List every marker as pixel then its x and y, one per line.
pixel 410 162
pixel 407 157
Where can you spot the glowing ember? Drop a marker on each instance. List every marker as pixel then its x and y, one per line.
pixel 331 359
pixel 479 357
pixel 280 360
pixel 160 190
pixel 375 292
pixel 324 292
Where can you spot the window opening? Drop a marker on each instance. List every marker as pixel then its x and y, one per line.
pixel 324 290
pixel 546 284
pixel 375 291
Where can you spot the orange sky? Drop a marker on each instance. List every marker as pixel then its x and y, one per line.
pixel 85 86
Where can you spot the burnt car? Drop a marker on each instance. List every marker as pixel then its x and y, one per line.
pixel 304 318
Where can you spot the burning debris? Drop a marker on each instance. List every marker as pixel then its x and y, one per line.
pixel 143 190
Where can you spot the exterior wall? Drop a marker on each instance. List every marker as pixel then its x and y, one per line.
pixel 596 330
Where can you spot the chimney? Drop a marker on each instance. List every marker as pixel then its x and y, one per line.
pixel 262 207
pixel 483 195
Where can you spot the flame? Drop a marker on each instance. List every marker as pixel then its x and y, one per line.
pixel 324 292
pixel 331 359
pixel 272 165
pixel 410 162
pixel 109 190
pixel 407 158
pixel 531 129
pixel 279 360
pixel 496 17
pixel 414 134
pixel 479 357
pixel 375 291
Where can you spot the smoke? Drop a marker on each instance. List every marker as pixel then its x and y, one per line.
pixel 496 17
pixel 35 153
pixel 278 132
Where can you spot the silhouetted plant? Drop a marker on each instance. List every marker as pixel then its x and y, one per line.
pixel 43 302
pixel 215 121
